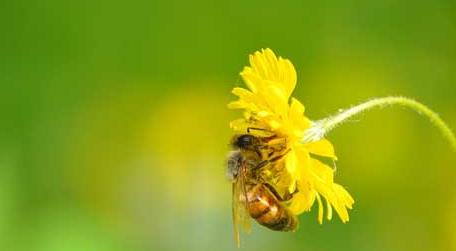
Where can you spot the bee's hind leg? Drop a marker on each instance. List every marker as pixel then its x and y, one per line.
pixel 286 197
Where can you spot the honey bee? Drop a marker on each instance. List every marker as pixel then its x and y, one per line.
pixel 253 197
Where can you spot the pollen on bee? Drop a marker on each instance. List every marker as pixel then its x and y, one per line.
pixel 273 209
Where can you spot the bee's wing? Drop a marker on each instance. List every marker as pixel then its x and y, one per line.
pixel 241 215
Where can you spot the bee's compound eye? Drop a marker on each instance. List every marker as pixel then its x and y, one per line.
pixel 244 141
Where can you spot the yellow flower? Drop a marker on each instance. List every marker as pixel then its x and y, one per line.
pixel 268 108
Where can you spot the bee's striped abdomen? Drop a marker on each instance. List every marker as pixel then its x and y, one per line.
pixel 267 211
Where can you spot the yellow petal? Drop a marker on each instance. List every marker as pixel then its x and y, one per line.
pixel 259 64
pixel 347 198
pixel 296 115
pixel 324 173
pixel 266 66
pixel 328 193
pixel 250 78
pixel 277 101
pixel 271 60
pixel 320 209
pixel 329 208
pixel 303 159
pixel 263 114
pixel 237 105
pixel 290 74
pixel 322 148
pixel 239 125
pixel 335 194
pixel 303 199
pixel 297 205
pixel 242 93
pixel 292 168
pixel 274 124
pixel 296 108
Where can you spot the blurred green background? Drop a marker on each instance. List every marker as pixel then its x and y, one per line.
pixel 114 126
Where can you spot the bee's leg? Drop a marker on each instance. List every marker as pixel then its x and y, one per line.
pixel 258 152
pixel 268 161
pixel 264 151
pixel 273 191
pixel 286 197
pixel 276 158
pixel 257 129
pixel 275 140
pixel 261 164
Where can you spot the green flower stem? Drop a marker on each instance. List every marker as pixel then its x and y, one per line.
pixel 320 128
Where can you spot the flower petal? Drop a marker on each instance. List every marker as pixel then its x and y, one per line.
pixel 329 208
pixel 346 197
pixel 303 200
pixel 291 164
pixel 242 93
pixel 321 171
pixel 336 195
pixel 296 116
pixel 320 209
pixel 322 148
pixel 265 66
pixel 239 125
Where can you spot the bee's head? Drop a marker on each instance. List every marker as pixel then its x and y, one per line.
pixel 244 141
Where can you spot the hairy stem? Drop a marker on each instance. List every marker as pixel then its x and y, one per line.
pixel 320 128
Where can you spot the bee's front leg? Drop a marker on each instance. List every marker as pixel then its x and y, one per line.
pixel 263 163
pixel 279 157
